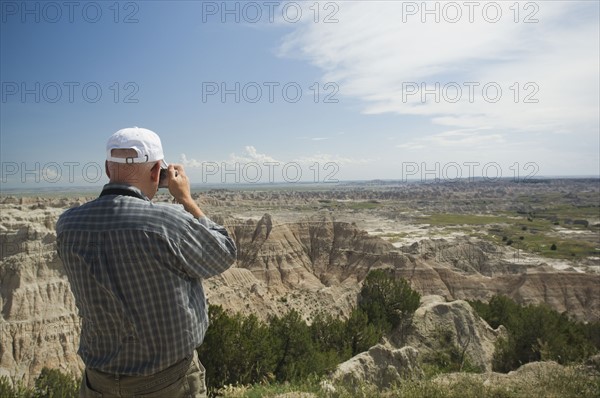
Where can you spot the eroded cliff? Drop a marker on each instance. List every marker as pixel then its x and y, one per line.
pixel 314 264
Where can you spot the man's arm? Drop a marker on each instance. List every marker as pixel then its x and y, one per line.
pixel 208 249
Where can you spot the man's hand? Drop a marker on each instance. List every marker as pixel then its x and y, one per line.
pixel 179 187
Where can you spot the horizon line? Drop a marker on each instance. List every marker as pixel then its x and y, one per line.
pixel 229 185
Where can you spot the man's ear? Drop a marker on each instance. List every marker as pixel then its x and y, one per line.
pixel 106 169
pixel 155 172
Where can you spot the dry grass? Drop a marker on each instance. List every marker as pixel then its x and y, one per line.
pixel 545 380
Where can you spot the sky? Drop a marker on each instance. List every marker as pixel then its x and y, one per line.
pixel 302 91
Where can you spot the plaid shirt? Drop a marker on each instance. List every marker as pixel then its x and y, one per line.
pixel 135 269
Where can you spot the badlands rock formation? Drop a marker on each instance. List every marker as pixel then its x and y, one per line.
pixel 540 377
pixel 319 263
pixel 382 365
pixel 39 326
pixel 474 270
pixel 308 261
pixel 438 324
pixel 311 265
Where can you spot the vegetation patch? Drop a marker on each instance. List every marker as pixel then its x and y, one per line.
pixel 461 219
pixel 537 333
pixel 369 205
pixel 539 236
pixel 242 350
pixel 245 357
pixel 51 383
pixel 572 381
pixel 529 232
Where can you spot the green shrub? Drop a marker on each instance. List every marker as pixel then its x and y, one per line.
pixel 17 391
pixel 388 302
pixel 241 350
pixel 537 333
pixel 361 333
pixel 292 346
pixel 236 349
pixel 330 340
pixel 51 383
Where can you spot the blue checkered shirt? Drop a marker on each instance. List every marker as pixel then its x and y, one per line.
pixel 135 269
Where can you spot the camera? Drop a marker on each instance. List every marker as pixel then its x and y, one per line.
pixel 163 180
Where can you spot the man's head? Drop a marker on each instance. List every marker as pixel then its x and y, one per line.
pixel 135 156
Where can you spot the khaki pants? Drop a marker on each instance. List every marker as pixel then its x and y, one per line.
pixel 185 379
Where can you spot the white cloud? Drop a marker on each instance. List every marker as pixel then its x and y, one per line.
pixel 376 57
pixel 252 166
pixel 456 138
pixel 251 155
pixel 193 163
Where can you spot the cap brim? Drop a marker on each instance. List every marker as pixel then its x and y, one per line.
pixel 163 164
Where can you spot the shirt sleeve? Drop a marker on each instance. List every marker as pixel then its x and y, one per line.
pixel 206 248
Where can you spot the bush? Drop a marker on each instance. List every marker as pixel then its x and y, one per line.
pixel 537 333
pixel 8 390
pixel 388 302
pixel 240 349
pixel 292 347
pixel 361 333
pixel 236 349
pixel 51 383
pixel 330 342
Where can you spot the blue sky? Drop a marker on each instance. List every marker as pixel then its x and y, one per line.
pixel 404 92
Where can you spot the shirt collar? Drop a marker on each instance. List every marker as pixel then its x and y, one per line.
pixel 135 191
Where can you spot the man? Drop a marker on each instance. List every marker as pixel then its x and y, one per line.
pixel 135 269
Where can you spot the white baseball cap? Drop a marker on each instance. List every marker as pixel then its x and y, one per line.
pixel 145 142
